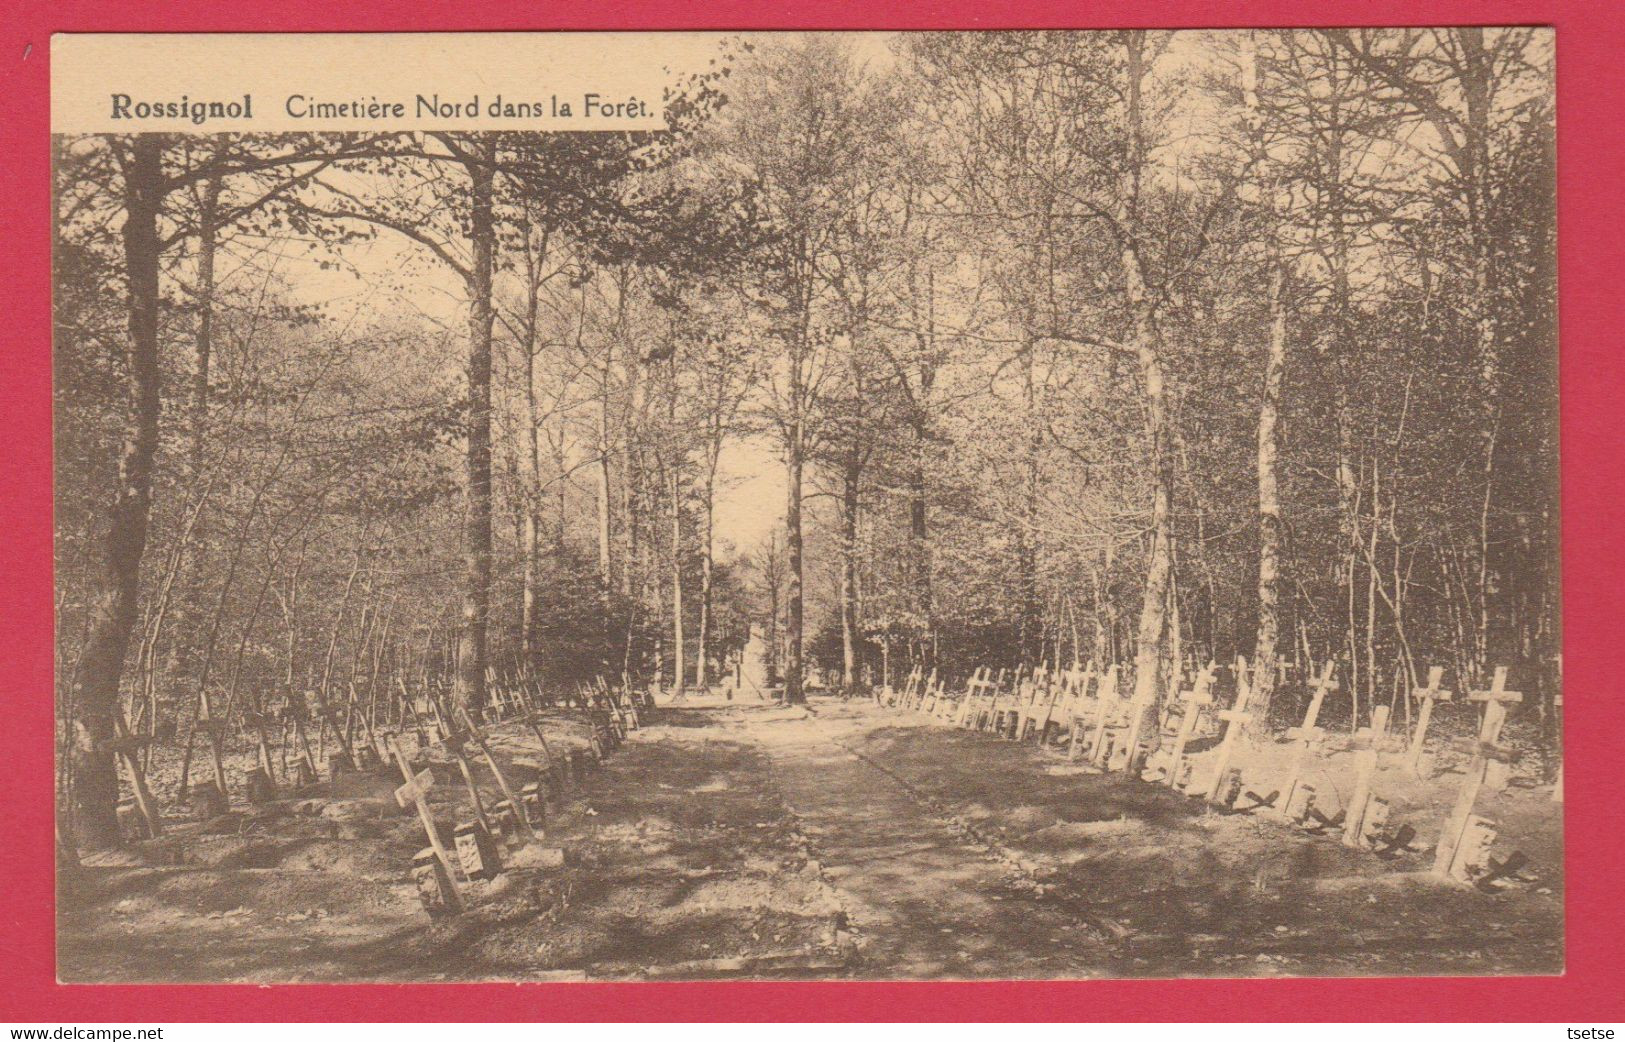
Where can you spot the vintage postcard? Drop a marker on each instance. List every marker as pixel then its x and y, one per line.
pixel 819 505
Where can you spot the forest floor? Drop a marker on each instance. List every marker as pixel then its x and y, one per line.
pixel 843 840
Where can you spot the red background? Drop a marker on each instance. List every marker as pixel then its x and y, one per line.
pixel 1591 52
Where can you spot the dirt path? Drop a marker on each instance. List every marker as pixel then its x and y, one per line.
pixel 927 897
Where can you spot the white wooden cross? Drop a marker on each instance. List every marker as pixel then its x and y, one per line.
pixel 962 707
pixel 1078 693
pixel 1029 692
pixel 933 693
pixel 1077 682
pixel 925 688
pixel 1062 694
pixel 1235 719
pixel 995 687
pixel 1105 701
pixel 1198 696
pixel 1497 692
pixel 943 705
pixel 1032 689
pixel 972 687
pixel 1366 742
pixel 1308 735
pixel 1487 749
pixel 1427 696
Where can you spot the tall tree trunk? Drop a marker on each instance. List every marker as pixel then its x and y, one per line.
pixel 118 579
pixel 1265 652
pixel 1153 626
pixel 471 645
pixel 1266 655
pixel 851 479
pixel 919 539
pixel 1031 634
pixel 1477 92
pixel 203 348
pixel 679 649
pixel 605 578
pixel 707 563
pixel 794 691
pixel 775 662
pixel 531 533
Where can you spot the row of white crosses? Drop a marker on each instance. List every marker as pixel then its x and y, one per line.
pixel 1464 840
pixel 1039 694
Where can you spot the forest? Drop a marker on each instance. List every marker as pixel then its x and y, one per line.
pixel 1148 348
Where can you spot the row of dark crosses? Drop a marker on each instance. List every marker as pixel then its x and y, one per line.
pixel 516 819
pixel 1106 730
pixel 359 743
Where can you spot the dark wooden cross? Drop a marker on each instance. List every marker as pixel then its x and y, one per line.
pixel 527 830
pixel 214 731
pixel 452 738
pixel 533 719
pixel 415 793
pixel 127 747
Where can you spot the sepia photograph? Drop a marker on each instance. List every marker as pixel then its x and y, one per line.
pixel 952 505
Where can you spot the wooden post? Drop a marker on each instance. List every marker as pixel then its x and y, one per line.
pixel 533 718
pixel 1427 696
pixel 214 729
pixel 1487 749
pixel 502 782
pixel 1309 736
pixel 1199 695
pixel 1235 721
pixel 1105 698
pixel 299 706
pixel 453 741
pixel 1367 743
pixel 415 793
